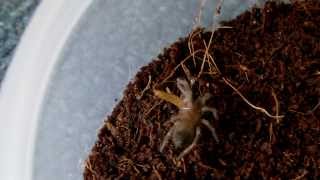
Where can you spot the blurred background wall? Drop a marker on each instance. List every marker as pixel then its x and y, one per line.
pixel 14 17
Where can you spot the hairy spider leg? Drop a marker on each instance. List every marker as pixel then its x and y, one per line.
pixel 213 131
pixel 185 89
pixel 166 138
pixel 212 110
pixel 190 147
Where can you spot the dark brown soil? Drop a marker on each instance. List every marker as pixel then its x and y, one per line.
pixel 274 50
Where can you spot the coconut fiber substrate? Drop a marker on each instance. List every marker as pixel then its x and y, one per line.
pixel 262 70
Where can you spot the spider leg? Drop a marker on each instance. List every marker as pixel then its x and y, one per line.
pixel 212 110
pixel 172 119
pixel 190 147
pixel 166 138
pixel 185 89
pixel 213 131
pixel 205 98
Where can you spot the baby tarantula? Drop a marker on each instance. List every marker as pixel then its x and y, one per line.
pixel 186 129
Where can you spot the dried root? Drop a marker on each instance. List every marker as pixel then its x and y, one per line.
pixel 250 104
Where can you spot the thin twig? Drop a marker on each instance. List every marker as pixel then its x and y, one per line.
pixel 190 45
pixel 277 105
pixel 315 107
pixel 298 112
pixel 180 64
pixel 206 54
pixel 308 112
pixel 129 162
pixel 149 111
pixel 214 27
pixel 304 173
pixel 187 72
pixel 146 88
pixel 249 103
pixel 199 16
pixel 206 166
pixel 203 61
pixel 157 173
pixel 89 167
pixel 213 61
pixel 270 132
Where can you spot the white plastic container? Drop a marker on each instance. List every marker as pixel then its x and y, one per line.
pixel 73 61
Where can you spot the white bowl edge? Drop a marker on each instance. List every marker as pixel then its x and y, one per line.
pixel 25 83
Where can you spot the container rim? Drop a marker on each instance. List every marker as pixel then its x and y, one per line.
pixel 26 81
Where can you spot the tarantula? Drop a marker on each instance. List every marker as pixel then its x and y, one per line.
pixel 186 129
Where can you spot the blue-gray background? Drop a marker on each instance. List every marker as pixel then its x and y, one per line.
pixel 14 16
